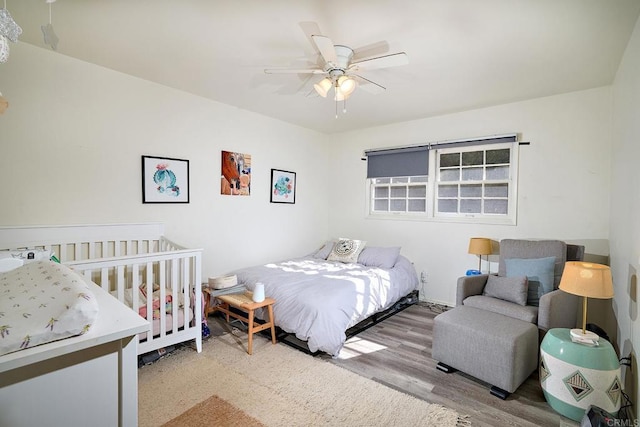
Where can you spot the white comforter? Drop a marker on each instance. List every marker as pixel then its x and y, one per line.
pixel 42 302
pixel 319 300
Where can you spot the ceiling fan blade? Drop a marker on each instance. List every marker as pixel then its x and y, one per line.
pixel 293 71
pixel 368 85
pixel 326 48
pixel 373 49
pixel 384 61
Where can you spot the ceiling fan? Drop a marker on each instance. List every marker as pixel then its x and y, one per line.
pixel 341 71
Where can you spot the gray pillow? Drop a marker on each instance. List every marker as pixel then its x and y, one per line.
pixel 373 256
pixel 513 289
pixel 325 250
pixel 539 272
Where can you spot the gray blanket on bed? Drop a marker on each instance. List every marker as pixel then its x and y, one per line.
pixel 319 300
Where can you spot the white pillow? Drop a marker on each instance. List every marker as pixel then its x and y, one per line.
pixel 346 250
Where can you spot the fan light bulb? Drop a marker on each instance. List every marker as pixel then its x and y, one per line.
pixel 347 85
pixel 322 87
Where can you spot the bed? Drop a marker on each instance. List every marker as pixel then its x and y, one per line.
pixel 135 263
pixel 335 292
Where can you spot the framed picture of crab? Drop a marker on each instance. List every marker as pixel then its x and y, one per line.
pixel 283 186
pixel 165 180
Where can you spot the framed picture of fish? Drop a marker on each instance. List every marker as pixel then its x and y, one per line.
pixel 165 180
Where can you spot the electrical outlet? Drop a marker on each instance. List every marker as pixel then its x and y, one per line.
pixel 423 277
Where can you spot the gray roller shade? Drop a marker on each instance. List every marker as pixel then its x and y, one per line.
pixel 409 161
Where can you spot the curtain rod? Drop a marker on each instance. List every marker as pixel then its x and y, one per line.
pixel 443 142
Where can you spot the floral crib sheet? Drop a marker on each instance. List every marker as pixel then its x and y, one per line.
pixel 41 302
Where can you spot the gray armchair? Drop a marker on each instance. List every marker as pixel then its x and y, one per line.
pixel 493 333
pixel 557 309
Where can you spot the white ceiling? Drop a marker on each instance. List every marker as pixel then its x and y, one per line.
pixel 463 54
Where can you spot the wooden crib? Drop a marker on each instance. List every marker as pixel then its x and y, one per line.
pixel 132 262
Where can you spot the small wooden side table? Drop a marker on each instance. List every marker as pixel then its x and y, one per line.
pixel 244 303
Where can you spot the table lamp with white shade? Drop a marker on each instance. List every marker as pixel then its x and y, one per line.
pixel 587 280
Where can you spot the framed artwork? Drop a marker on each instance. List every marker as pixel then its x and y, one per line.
pixel 165 180
pixel 235 174
pixel 283 186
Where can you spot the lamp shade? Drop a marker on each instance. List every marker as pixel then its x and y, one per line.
pixel 347 85
pixel 480 246
pixel 587 279
pixel 323 86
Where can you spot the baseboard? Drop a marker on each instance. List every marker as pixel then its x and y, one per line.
pixel 432 301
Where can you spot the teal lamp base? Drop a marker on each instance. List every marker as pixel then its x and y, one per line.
pixel 574 376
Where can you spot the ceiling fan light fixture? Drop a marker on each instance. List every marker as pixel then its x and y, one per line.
pixel 323 86
pixel 347 85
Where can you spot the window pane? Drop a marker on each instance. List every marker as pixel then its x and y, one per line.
pixel 446 205
pixel 450 175
pixel 398 205
pixel 498 156
pixel 447 191
pixel 470 205
pixel 416 205
pixel 418 179
pixel 498 172
pixel 418 191
pixel 381 205
pixel 472 174
pixel 399 192
pixel 381 192
pixel 496 206
pixel 496 190
pixel 471 190
pixel 448 160
pixel 381 180
pixel 471 158
pixel 400 180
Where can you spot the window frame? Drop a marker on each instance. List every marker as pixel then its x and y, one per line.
pixel 432 187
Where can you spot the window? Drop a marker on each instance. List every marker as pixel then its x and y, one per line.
pixel 400 194
pixel 472 180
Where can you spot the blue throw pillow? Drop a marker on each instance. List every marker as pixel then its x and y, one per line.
pixel 539 272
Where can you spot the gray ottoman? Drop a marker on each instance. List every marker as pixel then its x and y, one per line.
pixel 494 348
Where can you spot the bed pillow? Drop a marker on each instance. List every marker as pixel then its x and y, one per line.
pixel 325 250
pixel 513 289
pixel 373 256
pixel 346 250
pixel 539 272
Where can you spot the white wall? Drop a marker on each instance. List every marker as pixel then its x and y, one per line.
pixel 563 182
pixel 70 152
pixel 625 207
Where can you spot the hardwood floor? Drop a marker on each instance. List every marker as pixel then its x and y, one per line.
pixel 397 353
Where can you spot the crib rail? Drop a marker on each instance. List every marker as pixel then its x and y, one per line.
pixel 163 277
pixel 80 242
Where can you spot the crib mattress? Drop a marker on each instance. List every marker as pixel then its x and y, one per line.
pixel 42 302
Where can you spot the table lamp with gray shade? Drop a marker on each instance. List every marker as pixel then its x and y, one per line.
pixel 480 246
pixel 587 280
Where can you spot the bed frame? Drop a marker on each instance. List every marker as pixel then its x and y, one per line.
pixel 291 340
pixel 123 256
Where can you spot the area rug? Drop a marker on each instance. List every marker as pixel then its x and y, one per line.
pixel 277 386
pixel 214 412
